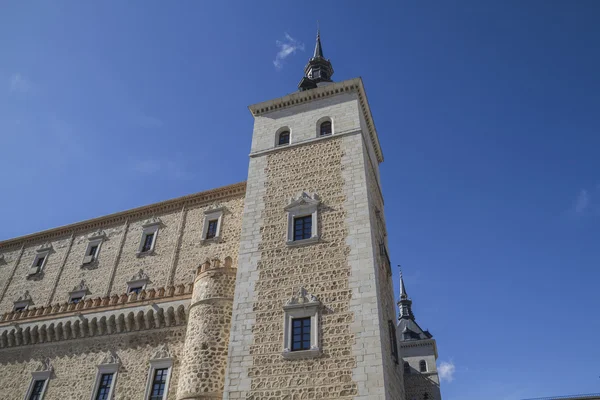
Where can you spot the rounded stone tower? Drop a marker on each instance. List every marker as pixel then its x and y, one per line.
pixel 202 374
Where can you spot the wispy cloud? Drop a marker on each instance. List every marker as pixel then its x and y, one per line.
pixel 586 203
pixel 582 202
pixel 286 47
pixel 19 84
pixel 446 371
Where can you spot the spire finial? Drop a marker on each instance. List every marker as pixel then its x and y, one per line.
pixel 319 70
pixel 403 294
pixel 318 47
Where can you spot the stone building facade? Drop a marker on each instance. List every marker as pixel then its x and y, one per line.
pixel 274 288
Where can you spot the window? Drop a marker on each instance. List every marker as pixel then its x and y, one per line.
pixel 159 374
pixel 301 334
pixel 212 229
pixel 158 384
pixel 38 263
pixel 138 282
pixel 325 128
pixel 303 227
pixel 301 326
pixel 316 73
pixel 302 213
pixel 148 240
pixel 104 389
pixel 20 308
pixel 136 289
pixel 93 247
pixel 37 390
pixel 75 299
pixel 284 138
pixel 422 366
pixel 406 368
pixel 39 381
pixel 426 396
pixel 393 340
pixel 213 221
pixel 23 302
pixel 149 233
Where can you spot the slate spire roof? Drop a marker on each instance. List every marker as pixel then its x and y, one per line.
pixel 319 70
pixel 406 319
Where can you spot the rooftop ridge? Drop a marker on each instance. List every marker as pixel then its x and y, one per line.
pixel 137 212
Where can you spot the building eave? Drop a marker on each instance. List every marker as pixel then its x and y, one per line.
pixel 321 92
pixel 236 189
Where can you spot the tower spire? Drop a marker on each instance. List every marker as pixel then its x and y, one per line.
pixel 404 304
pixel 403 294
pixel 319 70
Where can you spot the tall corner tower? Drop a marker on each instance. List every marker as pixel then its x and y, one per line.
pixel 313 311
pixel 419 353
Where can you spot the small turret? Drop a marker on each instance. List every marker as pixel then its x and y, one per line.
pixel 318 71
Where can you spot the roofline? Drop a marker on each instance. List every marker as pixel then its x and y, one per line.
pixel 235 189
pixel 333 89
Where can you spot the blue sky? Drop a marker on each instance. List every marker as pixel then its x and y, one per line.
pixel 488 115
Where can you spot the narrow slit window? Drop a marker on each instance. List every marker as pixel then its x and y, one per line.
pixel 104 387
pixel 284 138
pixel 148 242
pixel 406 368
pixel 422 366
pixel 37 390
pixel 325 128
pixel 159 383
pixel 303 227
pixel 40 261
pixel 93 250
pixel 212 229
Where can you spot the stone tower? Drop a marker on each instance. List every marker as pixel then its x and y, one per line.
pixel 314 313
pixel 419 353
pixel 205 349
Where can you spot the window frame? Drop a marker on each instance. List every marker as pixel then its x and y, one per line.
pixel 38 376
pixel 302 206
pixel 212 214
pixel 111 368
pixel 421 364
pixel 320 122
pixel 302 306
pixel 140 279
pixel 278 134
pixel 151 226
pixel 158 363
pixel 44 253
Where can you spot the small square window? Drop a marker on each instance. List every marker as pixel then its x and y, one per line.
pixel 75 300
pixel 301 326
pixel 212 228
pixel 148 239
pixel 19 308
pixel 303 227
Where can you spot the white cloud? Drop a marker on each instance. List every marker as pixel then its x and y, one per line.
pixel 19 84
pixel 446 371
pixel 582 203
pixel 286 47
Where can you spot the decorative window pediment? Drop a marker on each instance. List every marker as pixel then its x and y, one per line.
pixel 138 281
pixel 301 326
pixel 302 214
pixel 79 292
pixel 23 302
pixel 151 222
pixel 92 250
pixel 99 234
pixel 46 247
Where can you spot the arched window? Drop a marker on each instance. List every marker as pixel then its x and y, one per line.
pixel 426 396
pixel 284 138
pixel 406 368
pixel 422 366
pixel 325 128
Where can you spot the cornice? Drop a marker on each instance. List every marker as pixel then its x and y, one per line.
pixel 333 89
pixel 235 189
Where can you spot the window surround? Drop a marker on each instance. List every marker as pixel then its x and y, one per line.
pixel 303 205
pixel 423 366
pixel 320 121
pixel 137 280
pixel 42 373
pixel 109 365
pixel 24 301
pixel 41 252
pixel 279 132
pixel 95 239
pixel 302 305
pixel 149 226
pixel 211 214
pixel 161 358
pixel 79 291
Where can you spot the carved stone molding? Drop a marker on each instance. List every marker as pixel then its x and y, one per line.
pixel 303 199
pixel 302 297
pixel 44 247
pixel 161 352
pixel 110 358
pixel 45 366
pixel 151 222
pixel 25 296
pixel 99 234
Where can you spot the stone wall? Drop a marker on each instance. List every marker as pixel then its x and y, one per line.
pixel 75 362
pixel 177 253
